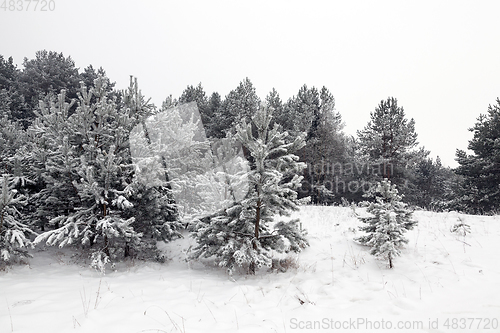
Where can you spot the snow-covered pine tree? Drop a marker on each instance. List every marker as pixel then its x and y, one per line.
pixel 168 156
pixel 241 103
pixel 53 160
pixel 390 219
pixel 479 191
pixel 389 141
pixel 229 174
pixel 325 145
pixel 155 210
pixel 11 140
pixel 90 154
pixel 14 232
pixel 244 234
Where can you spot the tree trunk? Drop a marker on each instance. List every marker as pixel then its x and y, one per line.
pixel 106 248
pixel 257 224
pixel 127 250
pixel 106 241
pixel 252 267
pixel 1 223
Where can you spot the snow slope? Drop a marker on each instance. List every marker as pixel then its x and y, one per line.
pixel 440 281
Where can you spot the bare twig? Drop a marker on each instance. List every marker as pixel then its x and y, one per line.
pixel 85 304
pixel 97 297
pixel 75 322
pixel 10 316
pixel 237 325
pixel 210 311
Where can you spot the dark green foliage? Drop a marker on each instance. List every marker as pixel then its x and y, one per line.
pixel 313 112
pixel 12 139
pixel 49 73
pixel 209 114
pixel 8 72
pixel 12 101
pixel 274 101
pixel 240 104
pixel 388 135
pixel 481 170
pixel 90 75
pixel 155 213
pixel 325 144
pixel 300 110
pixel 197 94
pixel 42 78
pixel 390 141
pixel 434 185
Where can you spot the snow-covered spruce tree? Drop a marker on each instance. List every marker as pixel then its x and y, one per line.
pixel 14 232
pixel 389 221
pixel 244 234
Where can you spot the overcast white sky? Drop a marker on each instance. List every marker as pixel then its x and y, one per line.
pixel 440 59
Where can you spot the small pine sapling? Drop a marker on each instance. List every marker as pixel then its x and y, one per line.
pixel 461 228
pixel 389 221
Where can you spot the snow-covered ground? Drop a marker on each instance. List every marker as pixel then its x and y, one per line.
pixel 443 282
